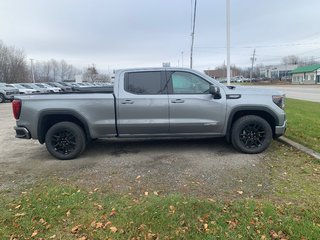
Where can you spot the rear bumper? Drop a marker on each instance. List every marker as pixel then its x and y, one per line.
pixel 22 132
pixel 280 130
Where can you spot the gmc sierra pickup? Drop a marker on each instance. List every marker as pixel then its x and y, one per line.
pixel 153 102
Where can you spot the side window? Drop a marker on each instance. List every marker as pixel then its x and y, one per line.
pixel 188 83
pixel 143 82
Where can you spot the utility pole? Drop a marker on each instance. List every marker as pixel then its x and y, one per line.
pixel 32 72
pixel 228 43
pixel 192 33
pixel 253 59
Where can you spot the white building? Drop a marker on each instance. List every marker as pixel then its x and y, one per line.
pixel 277 71
pixel 306 75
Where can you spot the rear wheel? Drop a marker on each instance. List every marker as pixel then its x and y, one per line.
pixel 2 98
pixel 65 140
pixel 251 134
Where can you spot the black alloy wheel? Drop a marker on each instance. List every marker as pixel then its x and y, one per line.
pixel 65 140
pixel 251 134
pixel 2 99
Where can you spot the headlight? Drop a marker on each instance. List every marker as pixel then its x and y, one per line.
pixel 279 100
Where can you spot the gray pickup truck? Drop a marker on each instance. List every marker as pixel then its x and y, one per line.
pixel 152 102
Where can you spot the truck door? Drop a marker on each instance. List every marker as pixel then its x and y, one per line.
pixel 192 109
pixel 143 104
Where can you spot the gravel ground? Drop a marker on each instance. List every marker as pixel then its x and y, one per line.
pixel 196 167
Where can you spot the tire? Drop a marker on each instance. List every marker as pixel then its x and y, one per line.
pixel 251 134
pixel 2 98
pixel 65 140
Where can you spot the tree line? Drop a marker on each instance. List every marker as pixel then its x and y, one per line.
pixel 15 68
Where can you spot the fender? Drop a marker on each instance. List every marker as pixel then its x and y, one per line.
pixel 70 113
pixel 250 110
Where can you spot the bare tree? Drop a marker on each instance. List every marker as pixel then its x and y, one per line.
pixel 291 59
pixel 13 66
pixel 90 74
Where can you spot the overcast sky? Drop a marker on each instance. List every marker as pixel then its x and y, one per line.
pixel 145 33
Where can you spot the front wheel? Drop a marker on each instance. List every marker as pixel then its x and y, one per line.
pixel 2 98
pixel 251 134
pixel 65 140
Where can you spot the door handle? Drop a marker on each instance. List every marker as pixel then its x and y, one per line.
pixel 127 101
pixel 177 101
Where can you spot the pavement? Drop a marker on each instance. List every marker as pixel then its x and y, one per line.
pixel 302 92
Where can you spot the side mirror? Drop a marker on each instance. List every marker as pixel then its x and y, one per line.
pixel 215 91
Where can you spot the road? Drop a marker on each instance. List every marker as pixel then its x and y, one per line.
pixel 302 92
pixel 203 167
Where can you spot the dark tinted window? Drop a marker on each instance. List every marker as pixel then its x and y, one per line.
pixel 143 82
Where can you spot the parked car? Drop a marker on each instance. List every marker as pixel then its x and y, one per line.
pixel 50 88
pixel 36 86
pixel 7 92
pixel 64 87
pixel 155 102
pixel 23 89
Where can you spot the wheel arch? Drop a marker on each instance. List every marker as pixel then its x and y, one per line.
pixel 48 118
pixel 263 112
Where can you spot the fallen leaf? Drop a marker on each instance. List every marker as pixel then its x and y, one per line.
pixel 205 226
pixel 96 189
pixel 232 224
pixel 273 234
pixel 42 221
pixel 82 238
pixel 76 229
pixel 17 207
pixel 138 177
pixel 99 225
pixel 240 192
pixel 53 236
pixel 19 214
pixel 98 206
pixel 151 236
pixel 34 233
pixel 68 213
pixel 113 229
pixel 113 212
pixel 172 209
pixel 107 223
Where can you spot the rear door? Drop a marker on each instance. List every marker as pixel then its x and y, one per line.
pixel 192 109
pixel 143 104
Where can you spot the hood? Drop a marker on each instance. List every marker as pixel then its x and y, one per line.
pixel 251 90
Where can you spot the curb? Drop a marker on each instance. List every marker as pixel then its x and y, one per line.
pixel 300 147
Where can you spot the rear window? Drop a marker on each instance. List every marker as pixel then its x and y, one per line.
pixel 143 82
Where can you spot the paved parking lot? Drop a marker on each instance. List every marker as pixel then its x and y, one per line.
pixel 202 167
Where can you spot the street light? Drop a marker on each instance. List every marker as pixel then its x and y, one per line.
pixel 228 43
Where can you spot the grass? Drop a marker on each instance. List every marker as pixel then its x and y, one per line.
pixel 304 122
pixel 59 211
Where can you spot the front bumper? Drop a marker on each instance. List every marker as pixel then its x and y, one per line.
pixel 280 130
pixel 22 132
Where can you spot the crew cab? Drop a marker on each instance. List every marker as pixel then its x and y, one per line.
pixel 152 102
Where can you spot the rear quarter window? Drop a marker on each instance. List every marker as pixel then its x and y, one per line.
pixel 143 82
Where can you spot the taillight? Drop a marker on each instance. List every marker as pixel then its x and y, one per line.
pixel 16 108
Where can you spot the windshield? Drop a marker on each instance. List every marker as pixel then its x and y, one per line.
pixel 40 86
